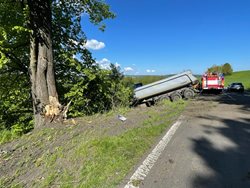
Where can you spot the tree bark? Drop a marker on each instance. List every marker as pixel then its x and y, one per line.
pixel 45 98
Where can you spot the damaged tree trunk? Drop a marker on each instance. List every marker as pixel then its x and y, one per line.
pixel 46 105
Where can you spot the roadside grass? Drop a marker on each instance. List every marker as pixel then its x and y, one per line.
pixel 107 160
pixel 7 136
pixel 118 110
pixel 10 135
pixel 88 160
pixel 241 76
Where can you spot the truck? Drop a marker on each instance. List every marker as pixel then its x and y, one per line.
pixel 212 82
pixel 175 87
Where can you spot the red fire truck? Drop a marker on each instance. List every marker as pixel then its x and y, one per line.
pixel 212 81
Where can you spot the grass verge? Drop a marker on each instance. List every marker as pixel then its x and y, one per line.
pixel 7 136
pixel 103 161
pixel 241 76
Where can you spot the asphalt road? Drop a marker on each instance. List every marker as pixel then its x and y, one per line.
pixel 210 149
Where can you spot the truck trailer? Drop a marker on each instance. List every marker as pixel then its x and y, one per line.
pixel 179 86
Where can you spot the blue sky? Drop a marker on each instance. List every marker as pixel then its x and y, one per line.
pixel 170 36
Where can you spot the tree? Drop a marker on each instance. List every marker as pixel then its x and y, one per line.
pixel 44 93
pixel 15 102
pixel 227 69
pixel 39 18
pixel 214 68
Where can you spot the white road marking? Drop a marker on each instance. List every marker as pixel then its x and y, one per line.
pixel 149 162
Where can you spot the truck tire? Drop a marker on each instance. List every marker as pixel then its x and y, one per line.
pixel 162 97
pixel 175 97
pixel 150 103
pixel 188 93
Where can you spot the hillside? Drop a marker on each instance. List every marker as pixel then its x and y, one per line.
pixel 241 76
pixel 96 151
pixel 144 79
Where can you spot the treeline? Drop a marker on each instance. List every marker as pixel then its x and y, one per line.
pixel 226 69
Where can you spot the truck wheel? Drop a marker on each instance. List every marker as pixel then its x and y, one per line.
pixel 150 103
pixel 161 98
pixel 188 93
pixel 175 97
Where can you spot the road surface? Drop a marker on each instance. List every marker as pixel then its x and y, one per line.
pixel 210 149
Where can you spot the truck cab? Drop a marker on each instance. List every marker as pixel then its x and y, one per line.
pixel 212 81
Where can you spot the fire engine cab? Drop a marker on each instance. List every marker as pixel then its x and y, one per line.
pixel 212 81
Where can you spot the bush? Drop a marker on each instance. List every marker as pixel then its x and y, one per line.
pixel 97 91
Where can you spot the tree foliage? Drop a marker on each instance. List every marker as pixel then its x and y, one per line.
pixel 80 80
pixel 226 69
pixel 15 103
pixel 97 90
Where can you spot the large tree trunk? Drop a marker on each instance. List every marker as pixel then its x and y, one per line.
pixel 45 98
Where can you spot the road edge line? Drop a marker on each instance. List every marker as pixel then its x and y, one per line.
pixel 143 170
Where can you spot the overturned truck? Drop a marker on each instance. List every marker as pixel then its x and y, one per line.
pixel 179 86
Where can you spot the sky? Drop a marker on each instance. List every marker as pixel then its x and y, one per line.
pixel 170 36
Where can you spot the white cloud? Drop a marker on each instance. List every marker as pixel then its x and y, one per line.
pixel 94 44
pixel 150 71
pixel 104 63
pixel 128 69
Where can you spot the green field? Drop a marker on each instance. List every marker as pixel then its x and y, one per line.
pixel 144 79
pixel 241 76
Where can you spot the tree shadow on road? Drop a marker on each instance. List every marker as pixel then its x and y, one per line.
pixel 230 165
pixel 241 99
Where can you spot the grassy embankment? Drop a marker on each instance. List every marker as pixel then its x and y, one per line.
pixel 71 157
pixel 241 76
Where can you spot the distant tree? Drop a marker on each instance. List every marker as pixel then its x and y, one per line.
pixel 214 68
pixel 227 69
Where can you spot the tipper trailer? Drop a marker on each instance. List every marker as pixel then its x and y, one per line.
pixel 179 86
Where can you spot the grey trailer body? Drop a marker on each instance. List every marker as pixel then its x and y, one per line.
pixel 168 87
